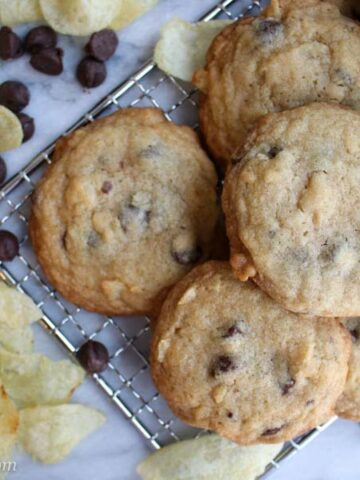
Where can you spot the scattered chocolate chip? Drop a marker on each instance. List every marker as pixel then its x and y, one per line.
pixel 28 126
pixel 222 364
pixel 272 233
pixel 354 333
pixel 232 331
pixel 286 387
pixel 14 95
pixel 150 151
pixel 3 170
pixel 272 431
pixel 102 45
pixel 189 256
pixel 309 402
pixel 106 187
pixel 91 73
pixel 40 38
pixel 134 215
pixel 10 44
pixel 274 151
pixel 9 246
pixel 93 357
pixel 230 414
pixel 48 61
pixel 269 27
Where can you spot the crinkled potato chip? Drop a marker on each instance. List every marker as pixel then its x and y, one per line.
pixel 9 423
pixel 78 17
pixel 182 46
pixel 50 433
pixel 208 458
pixel 129 10
pixel 16 340
pixel 17 310
pixel 33 379
pixel 13 12
pixel 11 133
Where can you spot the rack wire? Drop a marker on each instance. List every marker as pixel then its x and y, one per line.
pixel 126 381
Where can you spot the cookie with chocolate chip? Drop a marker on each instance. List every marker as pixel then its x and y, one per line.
pixel 227 358
pixel 349 8
pixel 127 208
pixel 269 64
pixel 348 405
pixel 291 207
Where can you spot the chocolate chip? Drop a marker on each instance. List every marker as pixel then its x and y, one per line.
pixel 309 402
pixel 48 61
pixel 3 170
pixel 269 27
pixel 354 333
pixel 14 95
pixel 134 215
pixel 39 38
pixel 106 187
pixel 10 44
pixel 286 387
pixel 232 331
pixel 102 45
pixel 9 246
pixel 91 73
pixel 28 126
pixel 222 364
pixel 272 431
pixel 229 414
pixel 274 151
pixel 189 256
pixel 93 357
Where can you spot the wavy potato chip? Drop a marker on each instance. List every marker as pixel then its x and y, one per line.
pixel 78 17
pixel 182 46
pixel 9 424
pixel 129 10
pixel 16 340
pixel 33 379
pixel 13 12
pixel 50 433
pixel 11 133
pixel 208 458
pixel 17 310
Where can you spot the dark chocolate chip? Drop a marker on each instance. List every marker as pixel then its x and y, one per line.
pixel 222 364
pixel 354 333
pixel 28 126
pixel 132 214
pixel 39 38
pixel 48 61
pixel 93 357
pixel 106 187
pixel 9 246
pixel 309 402
pixel 3 170
pixel 102 45
pixel 274 151
pixel 189 256
pixel 230 414
pixel 286 387
pixel 232 331
pixel 14 95
pixel 269 27
pixel 272 431
pixel 91 73
pixel 10 44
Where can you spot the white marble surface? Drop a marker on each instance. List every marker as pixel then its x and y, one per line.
pixel 113 452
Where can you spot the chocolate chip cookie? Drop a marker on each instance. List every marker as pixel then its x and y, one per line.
pixel 348 405
pixel 261 65
pixel 127 208
pixel 291 206
pixel 227 358
pixel 350 8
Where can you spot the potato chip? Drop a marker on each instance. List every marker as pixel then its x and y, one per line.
pixel 19 11
pixel 33 379
pixel 208 458
pixel 50 433
pixel 9 423
pixel 129 10
pixel 16 340
pixel 11 133
pixel 17 310
pixel 78 17
pixel 182 46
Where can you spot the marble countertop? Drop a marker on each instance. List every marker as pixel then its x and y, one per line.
pixel 113 452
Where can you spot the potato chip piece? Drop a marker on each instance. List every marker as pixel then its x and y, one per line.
pixel 78 17
pixel 17 310
pixel 182 46
pixel 208 458
pixel 11 133
pixel 33 379
pixel 16 340
pixel 19 11
pixel 129 10
pixel 9 423
pixel 50 433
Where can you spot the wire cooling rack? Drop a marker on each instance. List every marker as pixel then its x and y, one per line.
pixel 126 381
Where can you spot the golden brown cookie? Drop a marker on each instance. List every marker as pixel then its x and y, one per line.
pixel 227 358
pixel 127 208
pixel 261 65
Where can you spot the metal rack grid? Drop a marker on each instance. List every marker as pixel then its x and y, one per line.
pixel 126 381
